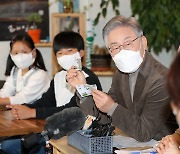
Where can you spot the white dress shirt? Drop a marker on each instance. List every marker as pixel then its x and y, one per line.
pixel 27 88
pixel 63 91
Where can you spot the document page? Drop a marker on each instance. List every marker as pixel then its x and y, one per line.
pixel 122 142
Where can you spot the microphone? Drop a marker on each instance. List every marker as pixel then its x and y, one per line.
pixel 56 126
pixel 65 122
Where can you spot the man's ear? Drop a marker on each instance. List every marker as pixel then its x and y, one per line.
pixel 81 52
pixel 144 42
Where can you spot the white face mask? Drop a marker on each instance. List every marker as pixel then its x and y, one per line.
pixel 176 113
pixel 23 60
pixel 128 61
pixel 67 61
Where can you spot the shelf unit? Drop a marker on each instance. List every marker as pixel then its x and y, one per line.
pixel 44 44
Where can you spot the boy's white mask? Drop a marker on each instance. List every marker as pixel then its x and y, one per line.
pixel 67 61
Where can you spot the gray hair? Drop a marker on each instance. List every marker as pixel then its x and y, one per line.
pixel 121 21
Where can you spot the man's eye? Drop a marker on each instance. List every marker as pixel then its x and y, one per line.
pixel 127 43
pixel 114 47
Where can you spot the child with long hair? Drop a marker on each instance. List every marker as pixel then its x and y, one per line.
pixel 26 76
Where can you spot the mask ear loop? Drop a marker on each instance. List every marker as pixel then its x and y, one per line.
pixel 31 66
pixel 33 50
pixel 174 112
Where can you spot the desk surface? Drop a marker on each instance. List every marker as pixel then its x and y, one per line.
pixel 61 146
pixel 9 127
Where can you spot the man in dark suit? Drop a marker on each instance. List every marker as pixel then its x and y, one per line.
pixel 137 101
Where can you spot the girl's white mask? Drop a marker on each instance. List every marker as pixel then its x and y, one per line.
pixel 67 61
pixel 23 60
pixel 128 61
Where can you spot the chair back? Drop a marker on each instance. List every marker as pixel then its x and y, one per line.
pixel 1 83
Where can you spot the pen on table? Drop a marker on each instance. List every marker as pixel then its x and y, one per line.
pixel 138 152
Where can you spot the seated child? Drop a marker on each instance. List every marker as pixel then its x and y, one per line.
pixel 26 76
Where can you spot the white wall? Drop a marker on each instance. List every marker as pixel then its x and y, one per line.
pixel 4 51
pixel 164 57
pixel 124 10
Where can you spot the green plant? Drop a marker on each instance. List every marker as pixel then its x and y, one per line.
pixel 70 26
pixel 67 5
pixel 34 18
pixel 104 5
pixel 160 20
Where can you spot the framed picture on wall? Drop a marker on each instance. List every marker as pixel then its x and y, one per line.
pixel 69 24
pixel 13 14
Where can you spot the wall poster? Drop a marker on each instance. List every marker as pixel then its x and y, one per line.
pixel 13 14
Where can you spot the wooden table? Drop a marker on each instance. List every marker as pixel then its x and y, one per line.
pixel 61 146
pixel 9 127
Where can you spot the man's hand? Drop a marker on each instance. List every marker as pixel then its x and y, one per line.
pixel 22 112
pixel 75 77
pixel 103 101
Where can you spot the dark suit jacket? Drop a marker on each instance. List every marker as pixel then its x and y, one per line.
pixel 149 115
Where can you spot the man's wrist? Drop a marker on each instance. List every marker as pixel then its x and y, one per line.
pixel 110 112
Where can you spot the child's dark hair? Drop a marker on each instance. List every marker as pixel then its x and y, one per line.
pixel 39 62
pixel 68 39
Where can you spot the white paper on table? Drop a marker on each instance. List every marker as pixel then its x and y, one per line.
pixel 147 151
pixel 120 141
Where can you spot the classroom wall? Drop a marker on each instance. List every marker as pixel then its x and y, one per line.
pixel 164 57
